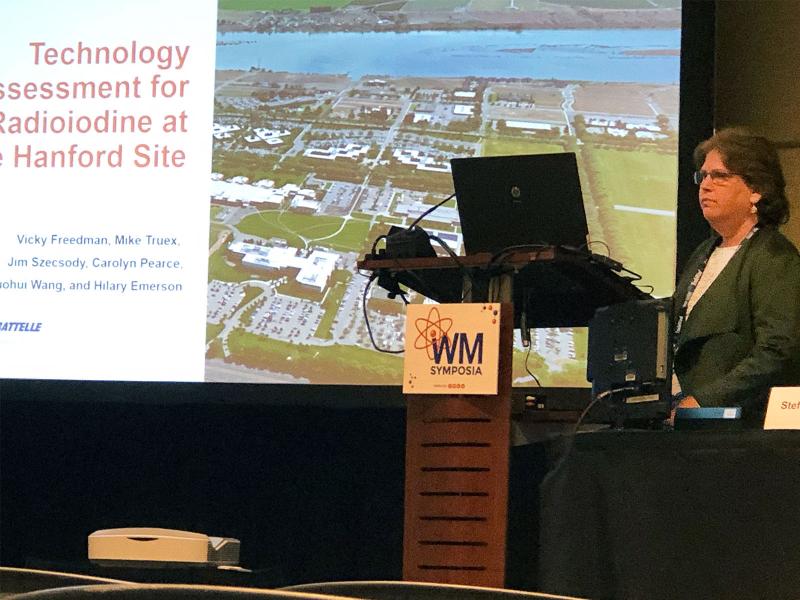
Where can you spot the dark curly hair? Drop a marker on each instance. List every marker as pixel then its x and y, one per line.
pixel 755 160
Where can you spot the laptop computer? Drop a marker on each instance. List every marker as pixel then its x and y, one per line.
pixel 528 199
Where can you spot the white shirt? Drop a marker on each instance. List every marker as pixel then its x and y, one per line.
pixel 719 258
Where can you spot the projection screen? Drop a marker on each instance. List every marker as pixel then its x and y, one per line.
pixel 188 185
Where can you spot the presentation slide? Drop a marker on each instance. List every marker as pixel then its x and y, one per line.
pixel 189 184
pixel 105 111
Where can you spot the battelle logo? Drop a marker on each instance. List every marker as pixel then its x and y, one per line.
pixel 20 326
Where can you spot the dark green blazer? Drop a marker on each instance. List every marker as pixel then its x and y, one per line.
pixel 743 335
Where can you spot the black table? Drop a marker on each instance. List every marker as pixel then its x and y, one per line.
pixel 672 515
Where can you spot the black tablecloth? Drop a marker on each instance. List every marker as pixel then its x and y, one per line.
pixel 672 515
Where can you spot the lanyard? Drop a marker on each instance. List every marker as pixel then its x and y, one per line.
pixel 681 317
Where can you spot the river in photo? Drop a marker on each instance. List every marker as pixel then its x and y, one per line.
pixel 620 55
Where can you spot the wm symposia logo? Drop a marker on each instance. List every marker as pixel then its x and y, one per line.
pixel 461 356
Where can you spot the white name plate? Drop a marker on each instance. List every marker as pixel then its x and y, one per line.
pixel 783 409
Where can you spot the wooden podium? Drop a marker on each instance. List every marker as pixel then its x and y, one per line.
pixel 457 446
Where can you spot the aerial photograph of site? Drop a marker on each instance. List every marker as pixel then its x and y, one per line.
pixel 336 119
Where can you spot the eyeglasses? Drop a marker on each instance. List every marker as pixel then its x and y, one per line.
pixel 716 176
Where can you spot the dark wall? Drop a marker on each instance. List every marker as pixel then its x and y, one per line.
pixel 696 118
pixel 758 53
pixel 313 493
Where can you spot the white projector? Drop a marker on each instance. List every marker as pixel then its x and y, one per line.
pixel 153 547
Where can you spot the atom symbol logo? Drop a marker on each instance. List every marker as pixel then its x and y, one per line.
pixel 430 330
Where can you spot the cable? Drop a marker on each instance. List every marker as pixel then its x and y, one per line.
pixel 636 276
pixel 527 355
pixel 372 278
pixel 378 239
pixel 570 439
pixel 588 246
pixel 429 211
pixel 602 396
pixel 464 271
pixel 511 249
pixel 583 414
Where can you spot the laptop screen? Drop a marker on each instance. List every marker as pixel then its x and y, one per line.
pixel 506 201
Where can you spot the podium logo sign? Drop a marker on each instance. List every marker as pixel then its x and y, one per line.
pixel 451 349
